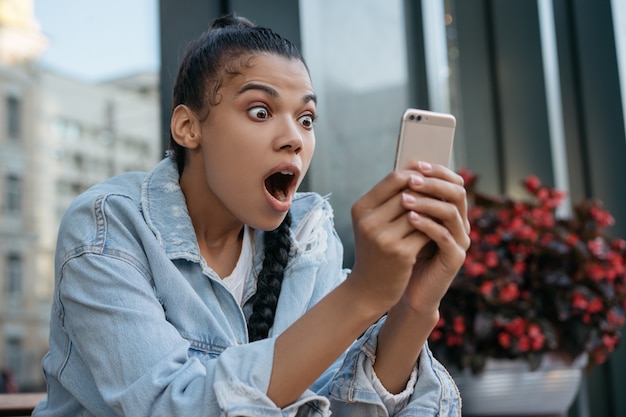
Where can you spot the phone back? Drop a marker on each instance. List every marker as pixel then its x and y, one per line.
pixel 425 136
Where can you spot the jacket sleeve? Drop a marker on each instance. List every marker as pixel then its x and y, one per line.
pixel 138 362
pixel 351 390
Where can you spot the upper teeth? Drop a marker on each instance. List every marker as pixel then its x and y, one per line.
pixel 286 173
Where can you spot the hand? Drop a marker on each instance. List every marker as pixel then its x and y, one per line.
pixel 436 205
pixel 387 241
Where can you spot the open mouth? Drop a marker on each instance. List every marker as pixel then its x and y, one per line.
pixel 280 184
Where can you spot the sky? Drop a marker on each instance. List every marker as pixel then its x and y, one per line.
pixel 98 40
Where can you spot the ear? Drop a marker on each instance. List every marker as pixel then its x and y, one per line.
pixel 185 127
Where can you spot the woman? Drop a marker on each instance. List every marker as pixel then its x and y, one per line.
pixel 210 287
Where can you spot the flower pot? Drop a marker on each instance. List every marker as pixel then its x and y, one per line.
pixel 510 388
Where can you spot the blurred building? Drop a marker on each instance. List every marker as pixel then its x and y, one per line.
pixel 58 136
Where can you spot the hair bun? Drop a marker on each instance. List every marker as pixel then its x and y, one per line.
pixel 231 20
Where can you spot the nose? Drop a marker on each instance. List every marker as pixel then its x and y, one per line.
pixel 289 135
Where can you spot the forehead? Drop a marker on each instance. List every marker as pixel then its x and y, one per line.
pixel 272 69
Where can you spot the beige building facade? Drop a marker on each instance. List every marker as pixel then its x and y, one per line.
pixel 58 136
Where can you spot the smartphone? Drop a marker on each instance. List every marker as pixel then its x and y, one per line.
pixel 425 136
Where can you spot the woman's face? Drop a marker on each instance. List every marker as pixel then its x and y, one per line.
pixel 258 140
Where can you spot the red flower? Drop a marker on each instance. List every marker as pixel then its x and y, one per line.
pixel 616 319
pixel 493 239
pixel 516 327
pixel 538 343
pixel 532 183
pixel 509 293
pixel 467 175
pixel 572 239
pixel 458 325
pixel 595 306
pixel 519 267
pixel 543 194
pixel 486 288
pixel 532 278
pixel 454 340
pixel 504 339
pixel 596 246
pixel 595 272
pixel 523 344
pixel 579 302
pixel 603 217
pixel 491 259
pixel 436 335
pixel 475 269
pixel 610 342
pixel 619 244
pixel 599 356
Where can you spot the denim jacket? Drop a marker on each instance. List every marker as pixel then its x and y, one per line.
pixel 141 326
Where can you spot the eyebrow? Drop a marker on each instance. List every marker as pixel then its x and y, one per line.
pixel 272 92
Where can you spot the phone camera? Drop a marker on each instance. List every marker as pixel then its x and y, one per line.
pixel 419 117
pixel 412 117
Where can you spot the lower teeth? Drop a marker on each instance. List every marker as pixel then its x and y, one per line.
pixel 280 195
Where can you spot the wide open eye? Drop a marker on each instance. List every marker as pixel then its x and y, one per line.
pixel 307 121
pixel 259 112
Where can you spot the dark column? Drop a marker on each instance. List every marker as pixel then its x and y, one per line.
pixel 180 22
pixel 418 80
pixel 479 96
pixel 596 144
pixel 502 92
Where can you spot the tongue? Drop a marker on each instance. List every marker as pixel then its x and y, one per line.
pixel 280 195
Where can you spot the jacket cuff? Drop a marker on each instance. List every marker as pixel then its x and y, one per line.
pixel 242 380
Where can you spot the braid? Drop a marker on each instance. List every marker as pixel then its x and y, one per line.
pixel 277 248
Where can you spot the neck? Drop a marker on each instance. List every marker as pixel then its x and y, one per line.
pixel 218 232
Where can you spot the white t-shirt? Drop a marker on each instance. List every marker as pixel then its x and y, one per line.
pixel 236 281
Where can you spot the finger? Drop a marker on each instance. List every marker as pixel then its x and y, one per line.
pixel 388 222
pixel 452 249
pixel 443 213
pixel 437 171
pixel 443 189
pixel 384 190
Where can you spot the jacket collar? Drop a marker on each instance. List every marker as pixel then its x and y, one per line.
pixel 165 212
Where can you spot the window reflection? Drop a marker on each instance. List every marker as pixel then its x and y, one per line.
pixel 619 25
pixel 356 51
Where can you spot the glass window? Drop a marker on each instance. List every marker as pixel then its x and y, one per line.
pixel 619 25
pixel 14 275
pixel 13 354
pixel 13 117
pixel 356 52
pixel 13 193
pixel 73 131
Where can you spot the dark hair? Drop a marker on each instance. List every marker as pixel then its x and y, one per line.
pixel 277 246
pixel 201 73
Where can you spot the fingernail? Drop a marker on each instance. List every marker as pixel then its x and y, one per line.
pixel 416 180
pixel 408 198
pixel 424 166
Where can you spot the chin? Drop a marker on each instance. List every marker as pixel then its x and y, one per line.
pixel 274 226
pixel 269 224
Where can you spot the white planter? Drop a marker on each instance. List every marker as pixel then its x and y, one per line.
pixel 509 388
